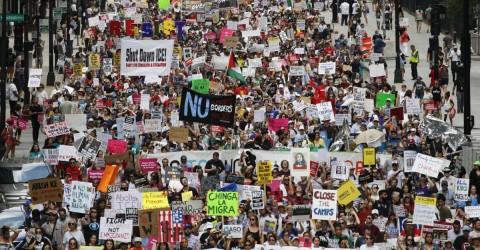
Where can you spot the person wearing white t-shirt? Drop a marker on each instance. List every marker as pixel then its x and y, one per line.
pixel 369 243
pixel 345 11
pixel 14 96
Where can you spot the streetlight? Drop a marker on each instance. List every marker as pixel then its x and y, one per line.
pixel 3 60
pixel 398 78
pixel 466 56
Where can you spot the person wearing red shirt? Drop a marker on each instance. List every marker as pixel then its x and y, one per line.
pixel 74 170
pixel 433 78
pixel 329 50
pixel 242 90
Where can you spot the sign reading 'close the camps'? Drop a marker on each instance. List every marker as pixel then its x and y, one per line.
pixel 216 110
pixel 222 204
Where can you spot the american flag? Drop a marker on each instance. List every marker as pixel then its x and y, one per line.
pixel 170 225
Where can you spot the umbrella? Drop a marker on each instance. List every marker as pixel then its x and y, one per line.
pixel 369 136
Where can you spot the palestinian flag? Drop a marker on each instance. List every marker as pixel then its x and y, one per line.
pixel 233 70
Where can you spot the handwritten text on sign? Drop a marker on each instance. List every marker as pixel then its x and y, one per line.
pixel 427 165
pixel 424 213
pixel 116 229
pixel 461 189
pixel 116 146
pixel 56 129
pixel 324 204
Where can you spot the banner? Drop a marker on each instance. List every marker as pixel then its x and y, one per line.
pixel 222 204
pixel 264 172
pixel 193 6
pixel 339 170
pixel 148 165
pixel 56 129
pixel 82 196
pixel 427 165
pixel 277 124
pixel 324 204
pixel 215 110
pixel 46 189
pixel 115 229
pixel 144 57
pixel 65 153
pixel 424 211
pixel 152 200
pixel 461 189
pixel 347 192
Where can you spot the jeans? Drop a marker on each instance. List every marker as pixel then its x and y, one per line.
pixel 459 101
pixel 414 70
pixel 344 19
pixel 35 129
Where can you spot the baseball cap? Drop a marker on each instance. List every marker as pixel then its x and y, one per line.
pixel 466 228
pixel 477 163
pixel 375 211
pixel 137 239
pixel 183 158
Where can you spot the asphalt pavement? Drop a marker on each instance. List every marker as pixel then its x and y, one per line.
pixel 420 40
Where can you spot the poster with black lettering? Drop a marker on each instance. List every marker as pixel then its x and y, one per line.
pixel 224 4
pixel 142 57
pixel 215 110
pixel 301 212
pixel 257 200
pixel 132 214
pixel 192 207
pixel 324 204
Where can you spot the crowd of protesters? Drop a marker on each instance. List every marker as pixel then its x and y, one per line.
pixel 270 88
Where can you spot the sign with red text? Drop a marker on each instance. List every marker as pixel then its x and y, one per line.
pixel 95 175
pixel 115 229
pixel 427 165
pixel 56 129
pixel 142 57
pixel 324 204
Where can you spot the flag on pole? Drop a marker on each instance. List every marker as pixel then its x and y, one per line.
pixel 307 80
pixel 233 70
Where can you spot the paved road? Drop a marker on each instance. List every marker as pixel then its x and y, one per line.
pixel 420 40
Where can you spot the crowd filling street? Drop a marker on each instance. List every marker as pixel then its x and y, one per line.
pixel 242 125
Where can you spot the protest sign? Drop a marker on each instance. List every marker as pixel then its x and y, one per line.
pixel 115 229
pixel 77 69
pixel 152 200
pixel 140 57
pixel 369 157
pixel 339 118
pixel 77 122
pixel 82 196
pixel 148 222
pixel 132 214
pixel 65 153
pixel 264 172
pixel 230 41
pixel 152 125
pixel 126 199
pixel 347 192
pixel 257 200
pixel 89 147
pixel 222 204
pixel 427 165
pixel 259 115
pixel 116 146
pixel 270 225
pixel 300 157
pixel 326 68
pixel 301 212
pixel 108 178
pixel 324 204
pixel 461 189
pixel 94 175
pixel 424 211
pixel 192 207
pixel 51 156
pixel 234 231
pixel 377 70
pixel 277 124
pixel 148 165
pixel 382 99
pixel 325 110
pixel 173 221
pixel 56 129
pixel 215 110
pixel 409 157
pixel 179 134
pixel 201 86
pixel 187 196
pixel 34 78
pixel 472 211
pixel 413 106
pixel 340 170
pixel 46 189
pixel 297 70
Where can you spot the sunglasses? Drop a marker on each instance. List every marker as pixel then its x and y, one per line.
pixel 73 244
pixel 70 223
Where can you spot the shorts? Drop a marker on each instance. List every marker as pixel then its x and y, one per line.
pixel 443 81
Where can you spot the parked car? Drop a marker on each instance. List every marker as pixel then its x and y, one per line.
pixel 14 177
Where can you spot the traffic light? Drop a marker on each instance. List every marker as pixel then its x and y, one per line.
pixel 18 38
